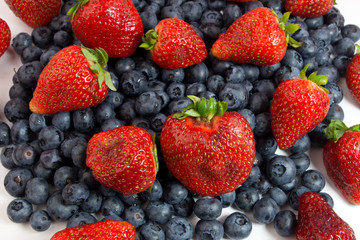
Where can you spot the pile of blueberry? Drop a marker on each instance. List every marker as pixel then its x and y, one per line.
pixel 45 154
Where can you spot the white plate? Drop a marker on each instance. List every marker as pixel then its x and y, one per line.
pixel 10 62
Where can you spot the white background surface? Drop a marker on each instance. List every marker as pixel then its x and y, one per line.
pixel 10 62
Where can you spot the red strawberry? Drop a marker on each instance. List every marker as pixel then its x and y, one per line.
pixel 258 37
pixel 341 157
pixel 102 230
pixel 317 220
pixel 353 75
pixel 308 8
pixel 35 13
pixel 298 106
pixel 209 150
pixel 5 36
pixel 73 79
pixel 114 25
pixel 123 159
pixel 174 44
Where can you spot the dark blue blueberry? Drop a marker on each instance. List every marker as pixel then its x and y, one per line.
pixel 16 109
pixel 262 124
pixel 177 105
pixel 37 190
pixel 293 58
pixel 219 66
pixel 321 37
pixel 235 74
pixel 157 121
pixel 20 131
pixel 131 199
pixel 50 137
pixel 206 229
pixel 66 6
pixel 135 216
pixel 40 220
pixel 19 210
pixel 192 11
pixel 148 104
pixel 195 89
pixel 155 193
pixel 6 156
pixel 208 208
pixel 112 218
pixel 75 193
pixel 80 219
pixel 178 228
pixel 42 36
pixel 317 135
pixel 106 191
pixel 212 17
pixel 227 199
pixel 86 176
pixel 63 24
pixel 351 31
pixel 110 124
pixel 286 72
pixel 341 62
pixel 153 7
pixel 174 192
pixel 314 23
pixel 210 32
pixel 322 58
pixel 40 171
pixel 308 47
pixel 253 177
pixel 24 155
pixel 287 187
pixel 263 185
pixel 133 82
pixel 237 226
pixel 4 134
pixel 278 195
pixel 159 212
pixel 30 54
pixel 37 122
pixel 18 91
pixel 216 5
pixel 294 195
pixel 58 210
pixel 83 120
pixel 164 97
pixel 185 207
pixel 258 103
pixel 151 231
pixel 215 82
pixel 51 159
pixel 330 71
pixel 335 112
pixel 235 95
pixel 127 111
pixel 64 175
pixel 312 64
pixel 61 120
pixel 345 47
pixel 246 197
pixel 69 142
pixel 140 122
pixel 249 116
pixel 336 18
pixel 269 71
pixel 15 181
pixel 172 75
pixel 115 99
pixel 197 73
pixel 171 11
pixel 252 72
pixel 112 206
pixel 148 68
pixel 302 162
pixel 62 38
pixel 21 41
pixel 327 198
pixel 301 145
pixel 280 170
pixel 247 6
pixel 336 94
pixel 103 111
pixel 47 55
pixel 231 12
pixel 123 65
pixel 92 203
pixel 266 145
pixel 313 180
pixel 265 210
pixel 285 223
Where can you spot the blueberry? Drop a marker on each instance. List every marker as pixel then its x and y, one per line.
pixel 331 72
pixel 249 116
pixel 237 226
pixel 131 199
pixel 140 122
pixel 159 212
pixel 135 216
pixel 64 175
pixel 4 134
pixel 345 47
pixel 215 82
pixel 151 230
pixel 219 66
pixel 341 62
pixel 197 73
pixel 177 105
pixel 287 187
pixel 153 7
pixel 195 89
pixel 172 75
pixel 15 181
pixel 208 208
pixel 293 58
pixel 92 203
pixel 185 207
pixel 301 145
pixel 123 65
pixel 164 97
pixel 280 170
pixel 262 124
pixel 294 196
pixel 148 104
pixel 157 121
pixel 20 132
pixel 68 144
pixel 57 209
pixel 42 36
pixel 61 120
pixel 112 218
pixel 302 162
pixel 286 72
pixel 148 68
pixel 235 74
pixel 327 198
pixel 235 95
pixel 253 177
pixel 336 92
pixel 37 190
pixel 315 22
pixel 266 145
pixel 21 41
pixel 6 156
pixel 285 223
pixel 18 91
pixel 37 122
pixel 335 112
pixel 47 55
pixel 216 5
pixel 265 210
pixel 206 229
pixel 211 16
pixel 85 176
pixel 40 220
pixel 269 71
pixel 178 228
pixel 317 135
pixel 112 205
pixel 30 54
pixel 83 120
pixel 19 210
pixel 278 195
pixel 321 37
pixel 263 185
pixel 155 193
pixel 174 192
pixel 231 12
pixel 308 47
pixel 127 111
pixel 351 31
pixel 16 109
pixel 40 171
pixel 335 17
pixel 192 11
pixel 313 180
pixel 62 38
pixel 50 137
pixel 227 199
pixel 246 197
pixel 171 11
pixel 133 82
pixel 80 219
pixel 75 193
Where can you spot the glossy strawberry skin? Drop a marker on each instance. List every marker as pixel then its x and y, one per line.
pixel 317 220
pixel 342 163
pixel 102 230
pixel 35 13
pixel 308 8
pixel 298 106
pixel 178 45
pixel 254 38
pixel 122 159
pixel 209 158
pixel 5 35
pixel 353 77
pixel 113 25
pixel 66 84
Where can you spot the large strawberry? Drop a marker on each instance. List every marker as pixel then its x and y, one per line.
pixel 317 220
pixel 35 13
pixel 123 159
pixel 258 37
pixel 174 44
pixel 341 157
pixel 114 25
pixel 104 230
pixel 73 79
pixel 209 150
pixel 353 75
pixel 298 106
pixel 5 35
pixel 309 8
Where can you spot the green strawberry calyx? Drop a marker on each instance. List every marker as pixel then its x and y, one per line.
pixel 202 109
pixel 320 80
pixel 98 59
pixel 72 11
pixel 336 129
pixel 149 39
pixel 288 28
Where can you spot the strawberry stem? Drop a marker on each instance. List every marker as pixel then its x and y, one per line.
pixel 203 109
pixel 320 80
pixel 288 29
pixel 72 11
pixel 336 129
pixel 149 39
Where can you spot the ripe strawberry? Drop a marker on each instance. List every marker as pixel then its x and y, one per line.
pixel 123 159
pixel 35 13
pixel 298 106
pixel 341 157
pixel 174 44
pixel 5 35
pixel 104 230
pixel 308 8
pixel 208 150
pixel 317 220
pixel 258 37
pixel 114 25
pixel 73 79
pixel 353 75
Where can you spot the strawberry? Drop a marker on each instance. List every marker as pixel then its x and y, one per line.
pixel 123 159
pixel 73 79
pixel 298 106
pixel 317 220
pixel 258 37
pixel 174 44
pixel 341 157
pixel 208 150
pixel 114 25
pixel 308 8
pixel 353 75
pixel 35 13
pixel 104 230
pixel 5 35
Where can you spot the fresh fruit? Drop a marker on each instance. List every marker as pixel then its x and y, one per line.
pixel 298 106
pixel 174 44
pixel 317 220
pixel 309 8
pixel 35 13
pixel 107 230
pixel 209 150
pixel 341 157
pixel 5 36
pixel 258 37
pixel 353 75
pixel 73 79
pixel 113 25
pixel 123 159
